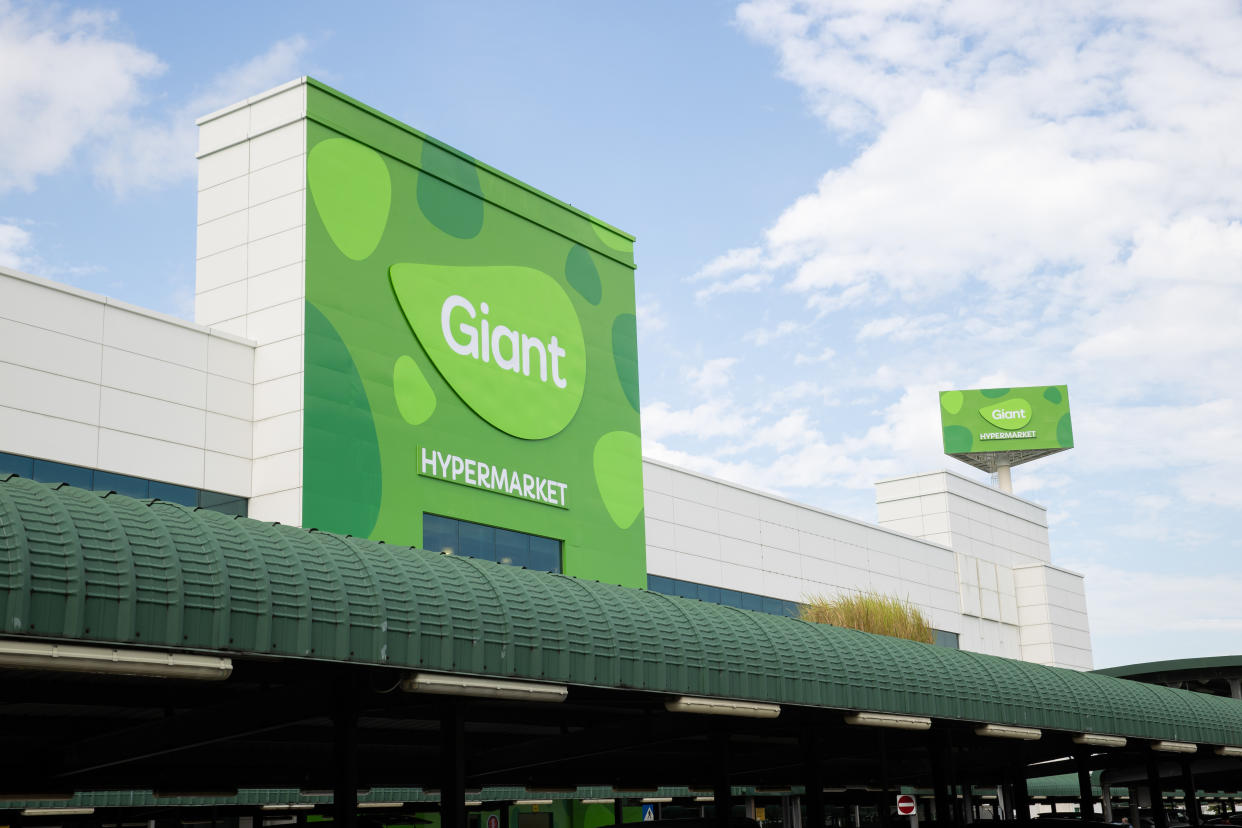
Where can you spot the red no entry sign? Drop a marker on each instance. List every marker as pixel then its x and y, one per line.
pixel 905 805
pixel 493 821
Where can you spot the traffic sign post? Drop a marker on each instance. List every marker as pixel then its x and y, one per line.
pixel 907 807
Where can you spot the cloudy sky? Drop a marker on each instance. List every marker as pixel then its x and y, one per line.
pixel 841 208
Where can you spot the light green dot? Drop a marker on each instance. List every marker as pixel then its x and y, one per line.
pixel 415 399
pixel 352 191
pixel 619 476
pixel 613 240
pixel 952 401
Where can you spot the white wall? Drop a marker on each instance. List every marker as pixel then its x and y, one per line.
pixel 1052 607
pixel 250 275
pixel 1003 560
pixel 94 382
pixel 717 533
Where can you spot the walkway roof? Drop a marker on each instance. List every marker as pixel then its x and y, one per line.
pixel 320 631
pixel 92 567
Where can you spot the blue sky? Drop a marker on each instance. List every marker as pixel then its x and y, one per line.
pixel 841 208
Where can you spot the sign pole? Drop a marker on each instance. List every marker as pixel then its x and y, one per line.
pixel 1003 481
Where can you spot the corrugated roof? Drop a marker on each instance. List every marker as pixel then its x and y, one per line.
pixel 110 569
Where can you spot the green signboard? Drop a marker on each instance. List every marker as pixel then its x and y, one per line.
pixel 471 350
pixel 1025 422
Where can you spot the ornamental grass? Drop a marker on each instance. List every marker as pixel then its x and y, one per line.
pixel 869 612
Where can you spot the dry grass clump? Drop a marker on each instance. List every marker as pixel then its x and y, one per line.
pixel 869 612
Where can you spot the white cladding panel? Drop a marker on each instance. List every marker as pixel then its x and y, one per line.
pixel 93 382
pixel 719 534
pixel 251 272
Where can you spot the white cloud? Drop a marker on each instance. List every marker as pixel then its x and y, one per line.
pixel 150 152
pixel 1132 603
pixel 14 246
pixel 822 356
pixel 716 418
pixel 746 283
pixel 73 84
pixel 713 374
pixel 762 336
pixel 1039 194
pixel 903 328
pixel 651 318
pixel 742 258
pixel 68 80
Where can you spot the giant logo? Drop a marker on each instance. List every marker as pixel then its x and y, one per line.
pixel 1010 415
pixel 506 338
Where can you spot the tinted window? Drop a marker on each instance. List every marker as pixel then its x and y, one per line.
pixel 122 484
pixel 717 595
pixel 47 471
pixel 475 540
pixel 440 534
pixel 16 464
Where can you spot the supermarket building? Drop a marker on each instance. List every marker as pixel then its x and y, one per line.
pixel 398 346
pixel 323 384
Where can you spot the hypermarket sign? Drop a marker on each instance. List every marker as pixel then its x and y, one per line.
pixel 1006 419
pixel 471 349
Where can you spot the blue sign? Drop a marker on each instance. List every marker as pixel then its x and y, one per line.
pixel 648 812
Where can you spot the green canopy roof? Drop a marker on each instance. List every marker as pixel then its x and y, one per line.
pixel 94 567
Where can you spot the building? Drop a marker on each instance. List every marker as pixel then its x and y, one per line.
pixel 340 375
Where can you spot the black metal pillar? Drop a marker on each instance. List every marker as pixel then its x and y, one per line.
pixel 1086 804
pixel 1156 792
pixel 813 779
pixel 452 766
pixel 940 782
pixel 345 757
pixel 886 798
pixel 1021 801
pixel 504 814
pixel 618 812
pixel 1192 797
pixel 722 789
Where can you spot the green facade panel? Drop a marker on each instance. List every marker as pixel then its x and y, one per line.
pixel 264 589
pixel 470 351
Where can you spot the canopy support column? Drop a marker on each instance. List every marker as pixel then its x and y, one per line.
pixel 452 767
pixel 1156 792
pixel 814 781
pixel 1086 805
pixel 345 757
pixel 886 797
pixel 1192 797
pixel 722 790
pixel 939 755
pixel 1021 801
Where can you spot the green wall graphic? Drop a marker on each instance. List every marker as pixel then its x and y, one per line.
pixel 471 349
pixel 1006 419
